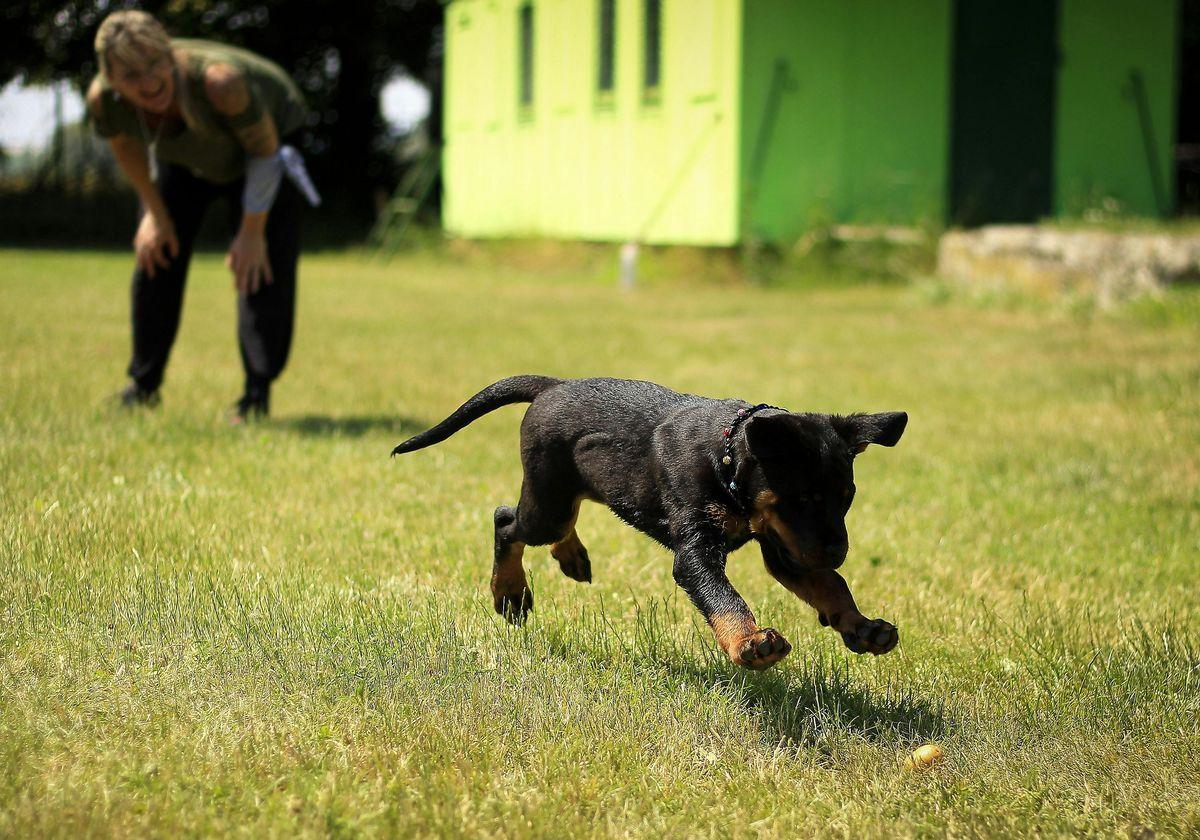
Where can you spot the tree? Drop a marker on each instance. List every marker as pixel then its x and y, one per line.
pixel 340 52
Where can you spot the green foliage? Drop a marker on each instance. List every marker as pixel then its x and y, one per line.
pixel 73 214
pixel 820 259
pixel 278 630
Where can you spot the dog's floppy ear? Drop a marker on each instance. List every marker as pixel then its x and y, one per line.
pixel 772 435
pixel 860 430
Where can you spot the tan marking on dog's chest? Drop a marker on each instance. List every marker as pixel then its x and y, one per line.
pixel 763 518
pixel 762 512
pixel 733 525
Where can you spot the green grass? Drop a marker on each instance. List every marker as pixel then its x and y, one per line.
pixel 280 630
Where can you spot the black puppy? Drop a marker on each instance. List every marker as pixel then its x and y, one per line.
pixel 702 477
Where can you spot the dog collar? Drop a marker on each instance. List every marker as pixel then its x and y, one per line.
pixel 743 415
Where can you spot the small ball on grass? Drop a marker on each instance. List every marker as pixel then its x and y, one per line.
pixel 924 757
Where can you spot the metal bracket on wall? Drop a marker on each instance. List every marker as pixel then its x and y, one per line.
pixel 1136 90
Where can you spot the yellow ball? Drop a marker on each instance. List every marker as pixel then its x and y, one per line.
pixel 924 756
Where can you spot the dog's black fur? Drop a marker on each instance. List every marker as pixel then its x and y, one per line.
pixel 655 458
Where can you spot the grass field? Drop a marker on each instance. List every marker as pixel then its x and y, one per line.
pixel 280 630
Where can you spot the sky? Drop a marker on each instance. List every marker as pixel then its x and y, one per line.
pixel 27 113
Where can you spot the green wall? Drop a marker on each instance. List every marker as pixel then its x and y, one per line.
pixel 858 132
pixel 1099 147
pixel 573 165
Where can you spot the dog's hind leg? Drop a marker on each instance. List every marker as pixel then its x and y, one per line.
pixel 545 515
pixel 510 591
pixel 570 552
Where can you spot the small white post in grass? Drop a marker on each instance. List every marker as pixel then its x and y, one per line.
pixel 627 275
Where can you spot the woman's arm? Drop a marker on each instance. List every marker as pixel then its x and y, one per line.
pixel 232 97
pixel 135 164
pixel 155 242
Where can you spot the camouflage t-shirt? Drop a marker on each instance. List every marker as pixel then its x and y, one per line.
pixel 209 147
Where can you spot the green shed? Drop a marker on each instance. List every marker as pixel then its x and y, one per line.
pixel 713 121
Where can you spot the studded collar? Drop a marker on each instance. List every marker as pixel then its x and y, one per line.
pixel 728 467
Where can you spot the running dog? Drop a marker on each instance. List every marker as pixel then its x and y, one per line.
pixel 701 476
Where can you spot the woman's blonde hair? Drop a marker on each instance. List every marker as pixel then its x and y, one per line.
pixel 133 37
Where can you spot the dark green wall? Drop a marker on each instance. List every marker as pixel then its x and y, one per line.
pixel 858 131
pixel 1004 73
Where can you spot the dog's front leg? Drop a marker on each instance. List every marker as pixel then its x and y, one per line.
pixel 827 592
pixel 700 571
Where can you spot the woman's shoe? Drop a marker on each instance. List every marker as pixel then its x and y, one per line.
pixel 135 396
pixel 249 408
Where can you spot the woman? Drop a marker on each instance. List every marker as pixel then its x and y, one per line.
pixel 191 122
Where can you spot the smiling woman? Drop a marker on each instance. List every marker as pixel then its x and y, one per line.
pixel 191 122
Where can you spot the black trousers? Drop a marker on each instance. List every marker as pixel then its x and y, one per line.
pixel 265 318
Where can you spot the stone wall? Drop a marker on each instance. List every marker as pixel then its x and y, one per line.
pixel 1112 266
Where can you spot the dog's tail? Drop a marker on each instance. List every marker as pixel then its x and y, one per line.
pixel 514 389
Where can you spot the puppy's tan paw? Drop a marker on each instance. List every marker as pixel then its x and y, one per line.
pixel 872 635
pixel 514 606
pixel 573 559
pixel 761 650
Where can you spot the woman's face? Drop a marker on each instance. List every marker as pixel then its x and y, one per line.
pixel 150 84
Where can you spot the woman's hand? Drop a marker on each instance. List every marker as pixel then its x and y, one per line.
pixel 155 243
pixel 247 259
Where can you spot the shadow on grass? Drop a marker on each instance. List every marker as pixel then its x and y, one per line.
pixel 799 709
pixel 814 705
pixel 811 701
pixel 322 425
